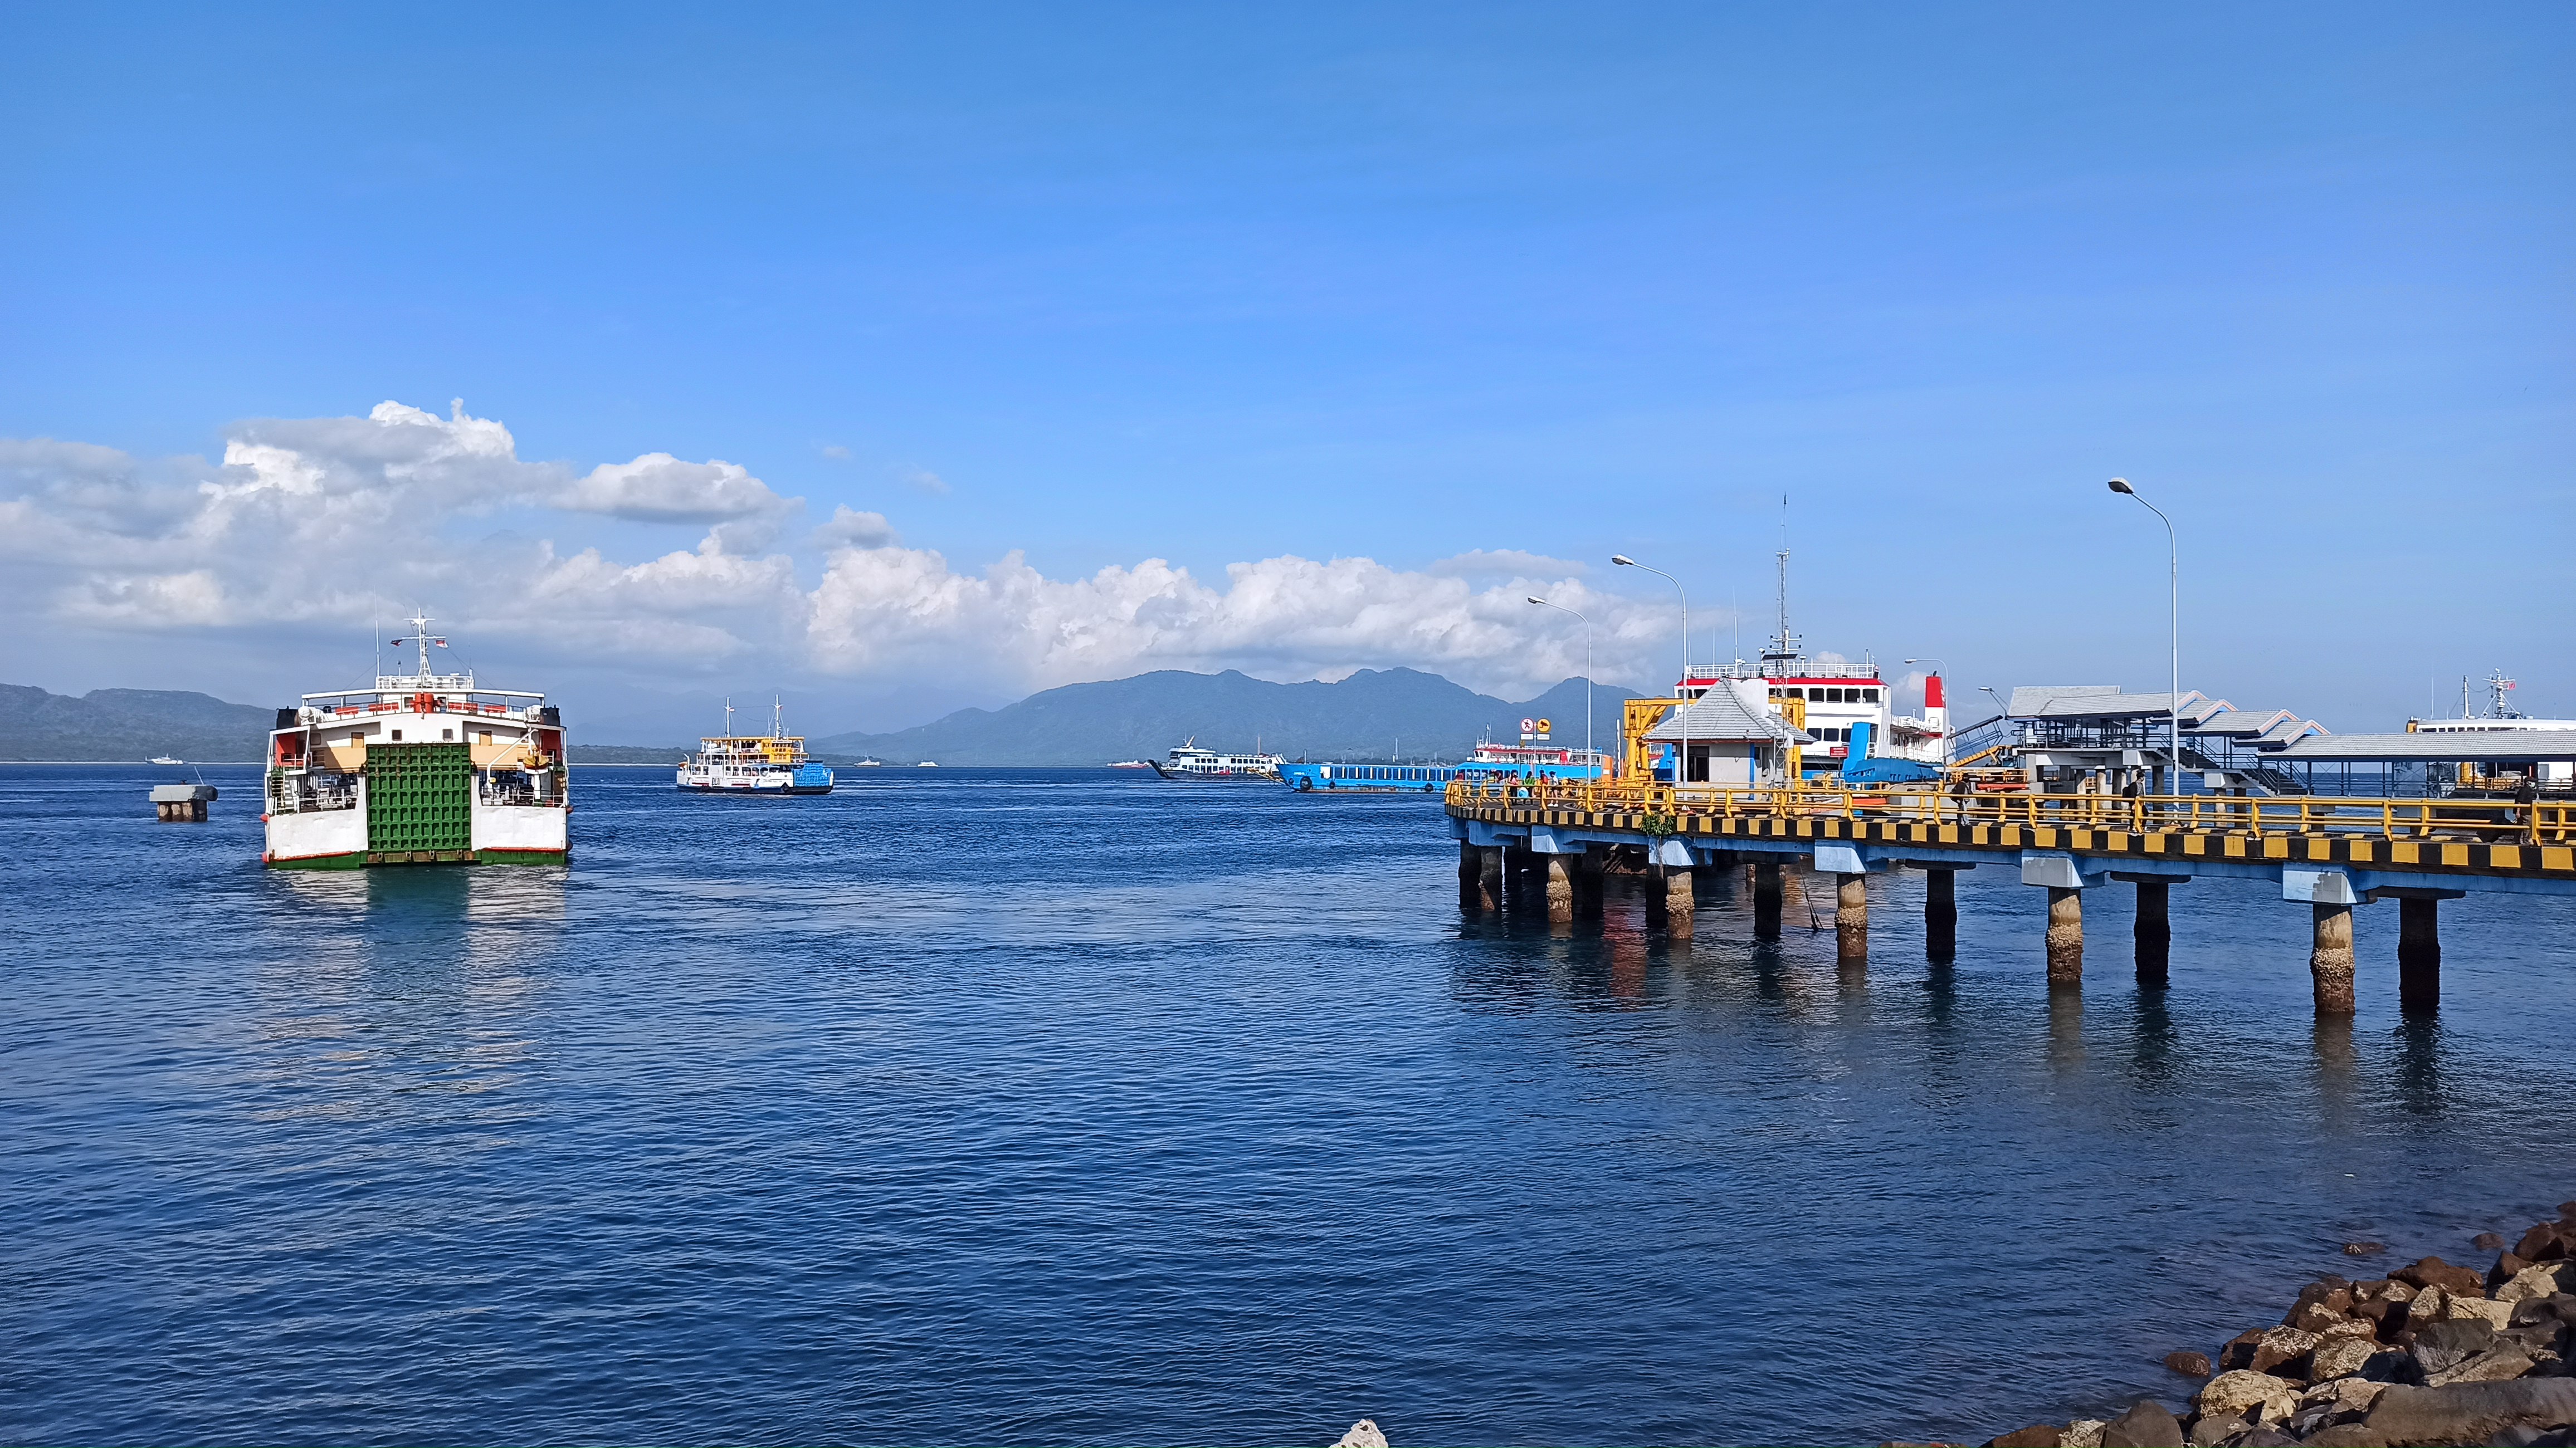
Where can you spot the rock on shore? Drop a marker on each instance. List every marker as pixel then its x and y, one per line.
pixel 2430 1354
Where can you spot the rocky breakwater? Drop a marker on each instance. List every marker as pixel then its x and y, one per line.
pixel 2429 1354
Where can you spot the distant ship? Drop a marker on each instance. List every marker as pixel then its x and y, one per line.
pixel 1129 764
pixel 1189 761
pixel 423 769
pixel 772 763
pixel 1490 761
pixel 166 759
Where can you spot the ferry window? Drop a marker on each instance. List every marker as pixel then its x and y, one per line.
pixel 397 734
pixel 1841 696
pixel 1869 696
pixel 446 733
pixel 1815 696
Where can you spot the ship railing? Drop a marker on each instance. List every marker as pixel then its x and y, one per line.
pixel 509 789
pixel 2297 816
pixel 298 792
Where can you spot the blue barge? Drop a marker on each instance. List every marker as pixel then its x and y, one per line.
pixel 1489 762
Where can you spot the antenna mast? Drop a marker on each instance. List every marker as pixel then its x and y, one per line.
pixel 1785 646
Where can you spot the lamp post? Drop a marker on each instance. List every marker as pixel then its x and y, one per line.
pixel 2173 580
pixel 1587 676
pixel 1681 689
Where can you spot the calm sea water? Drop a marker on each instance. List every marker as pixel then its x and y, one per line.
pixel 1066 1106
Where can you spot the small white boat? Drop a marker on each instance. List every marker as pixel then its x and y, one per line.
pixel 166 759
pixel 928 764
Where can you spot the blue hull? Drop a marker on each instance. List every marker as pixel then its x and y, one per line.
pixel 1409 778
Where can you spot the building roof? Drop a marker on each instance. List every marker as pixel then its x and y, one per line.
pixel 1724 715
pixel 2105 701
pixel 2502 745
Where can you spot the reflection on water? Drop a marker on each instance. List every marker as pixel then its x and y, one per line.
pixel 1063 1108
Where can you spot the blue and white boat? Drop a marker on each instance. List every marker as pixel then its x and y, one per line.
pixel 774 763
pixel 1490 761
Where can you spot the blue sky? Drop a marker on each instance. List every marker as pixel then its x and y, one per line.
pixel 1103 285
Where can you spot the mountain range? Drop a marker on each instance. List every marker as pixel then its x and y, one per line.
pixel 129 724
pixel 1372 714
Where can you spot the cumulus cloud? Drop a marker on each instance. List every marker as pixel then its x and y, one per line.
pixel 850 528
pixel 902 609
pixel 659 488
pixel 334 520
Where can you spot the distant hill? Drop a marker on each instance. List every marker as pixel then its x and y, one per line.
pixel 129 724
pixel 1366 716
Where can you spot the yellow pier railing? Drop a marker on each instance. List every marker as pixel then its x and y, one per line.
pixel 1705 810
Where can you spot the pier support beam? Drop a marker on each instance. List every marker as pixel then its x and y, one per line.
pixel 1766 899
pixel 1471 867
pixel 1560 888
pixel 2154 933
pixel 1681 903
pixel 1851 919
pixel 2419 954
pixel 2330 959
pixel 1587 885
pixel 1489 877
pixel 2154 928
pixel 2065 937
pixel 1940 913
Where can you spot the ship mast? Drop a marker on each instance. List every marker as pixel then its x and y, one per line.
pixel 1784 645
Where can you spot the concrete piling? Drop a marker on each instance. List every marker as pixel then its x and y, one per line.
pixel 1681 903
pixel 1940 914
pixel 1560 889
pixel 1851 919
pixel 1471 869
pixel 2065 937
pixel 1489 877
pixel 2330 959
pixel 181 803
pixel 2154 933
pixel 1766 899
pixel 2419 954
pixel 1587 886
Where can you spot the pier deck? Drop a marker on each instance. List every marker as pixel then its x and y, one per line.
pixel 2332 854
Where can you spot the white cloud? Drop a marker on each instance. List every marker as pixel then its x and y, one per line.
pixel 659 488
pixel 850 528
pixel 331 521
pixel 1506 563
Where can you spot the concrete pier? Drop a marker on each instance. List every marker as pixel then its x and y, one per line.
pixel 1851 919
pixel 2154 928
pixel 1766 899
pixel 181 803
pixel 1681 903
pixel 1489 877
pixel 1587 885
pixel 1470 867
pixel 1560 889
pixel 1940 914
pixel 2330 959
pixel 2065 937
pixel 2419 954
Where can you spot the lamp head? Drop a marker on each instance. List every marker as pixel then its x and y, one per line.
pixel 2121 485
pixel 1534 598
pixel 1623 560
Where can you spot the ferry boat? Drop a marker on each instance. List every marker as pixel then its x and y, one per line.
pixel 1490 761
pixel 423 768
pixel 1189 761
pixel 772 763
pixel 1848 708
pixel 166 759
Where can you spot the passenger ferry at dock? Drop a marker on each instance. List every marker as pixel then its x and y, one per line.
pixel 1490 761
pixel 772 763
pixel 1189 761
pixel 421 769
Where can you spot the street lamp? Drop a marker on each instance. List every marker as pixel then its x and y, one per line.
pixel 1587 676
pixel 2173 579
pixel 1681 689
